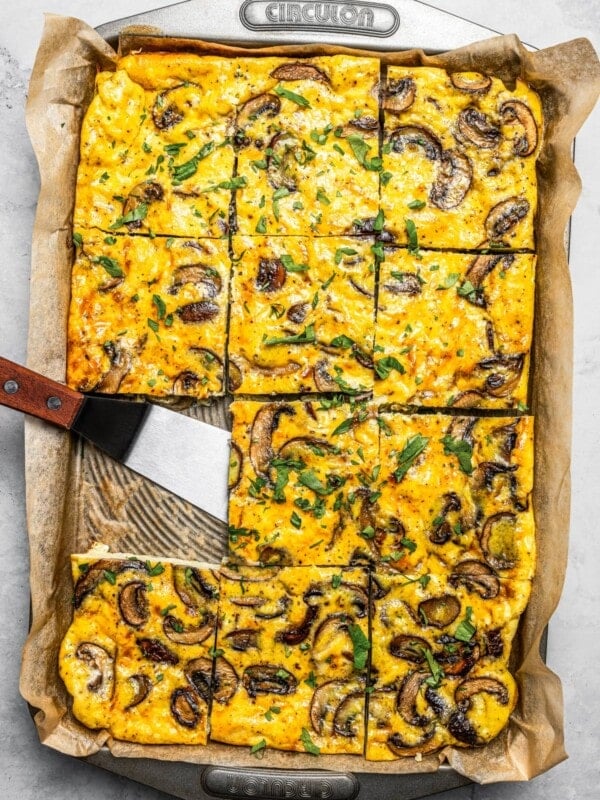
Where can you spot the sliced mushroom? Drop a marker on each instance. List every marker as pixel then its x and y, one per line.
pixel 439 611
pixel 453 180
pixel 271 275
pixel 471 82
pixel 285 153
pixel 475 127
pixel 297 313
pixel 199 673
pixel 243 639
pixel 267 105
pixel 462 428
pixel 120 364
pixel 167 109
pixel 459 725
pixel 480 268
pixel 399 95
pixel 270 609
pixel 494 645
pixel 366 227
pixel 364 359
pixel 268 679
pixel 408 284
pixel 360 288
pixel 226 681
pixel 175 631
pixel 143 194
pixel 364 123
pixel 469 399
pixel 142 686
pixel 303 448
pixel 185 707
pixel 194 587
pixel 294 634
pixel 324 704
pixel 507 369
pixel 515 111
pixel 477 577
pixel 504 216
pixel 200 311
pixel 250 575
pixel 332 650
pixel 236 460
pixel 438 704
pixel 111 284
pixel 101 666
pixel 348 718
pixel 155 651
pixel 498 540
pixel 234 376
pixel 323 380
pixel 299 71
pixel 462 729
pixel 187 382
pixel 443 529
pixel 208 278
pixel 270 556
pixel 410 648
pixel 97 572
pixel 486 473
pixel 414 136
pixel 400 747
pixel 407 699
pixel 457 657
pixel 133 603
pixel 264 424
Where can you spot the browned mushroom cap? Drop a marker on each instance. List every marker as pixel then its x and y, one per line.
pixel 267 105
pixel 141 686
pixel 194 586
pixel 270 609
pixel 120 364
pixel 504 216
pixel 236 460
pixel 459 725
pixel 471 82
pixel 199 673
pixel 234 376
pixel 456 657
pixel 408 284
pixel 477 577
pixel 506 374
pixel 462 428
pixel 494 645
pixel 133 603
pixel 284 154
pixel 187 382
pixel 141 195
pixel 407 699
pixel 101 667
pixel 299 71
pixel 249 575
pixel 294 634
pixel 360 288
pixel 486 473
pixel 453 180
pixel 475 127
pixel 348 718
pixel 271 275
pixel 303 448
pixel 268 679
pixel 332 650
pixel 479 269
pixel 243 639
pixel 264 424
pixel 185 707
pixel 175 631
pixel 515 111
pixel 414 136
pixel 208 278
pixel 439 611
pixel 469 399
pixel 498 540
pixel 270 556
pixel 365 123
pixel 323 380
pixel 410 648
pixel 155 651
pixel 98 570
pixel 400 747
pixel 167 109
pixel 225 681
pixel 297 312
pixel 399 95
pixel 324 704
pixel 201 311
pixel 443 530
pixel 366 227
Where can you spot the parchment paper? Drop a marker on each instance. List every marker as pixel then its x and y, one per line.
pixel 74 497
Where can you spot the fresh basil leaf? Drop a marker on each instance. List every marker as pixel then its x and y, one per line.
pixel 414 446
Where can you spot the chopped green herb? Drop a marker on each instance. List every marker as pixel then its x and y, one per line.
pixel 256 748
pixel 414 446
pixel 412 236
pixel 361 646
pixel 416 205
pixel 379 221
pixel 449 280
pixel 322 197
pixel 110 240
pixel 296 520
pixel 465 629
pixel 261 225
pixel 307 336
pixel 361 149
pixel 308 743
pixel 189 168
pixel 342 341
pixel 136 214
pixel 278 194
pixel 386 177
pixel 311 680
pixel 336 581
pixel 295 98
pixel 160 305
pixel 110 265
pixel 462 450
pixel 437 673
pixel 384 366
pixel 155 570
pixel 291 266
pixel 77 240
pixel 215 652
pixel 110 576
pixel 344 251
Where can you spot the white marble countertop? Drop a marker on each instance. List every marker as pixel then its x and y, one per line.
pixel 27 769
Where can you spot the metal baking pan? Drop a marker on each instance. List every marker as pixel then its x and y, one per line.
pixel 407 24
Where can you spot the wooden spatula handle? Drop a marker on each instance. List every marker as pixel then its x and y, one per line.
pixel 27 391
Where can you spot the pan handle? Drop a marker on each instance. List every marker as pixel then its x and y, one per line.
pixel 227 782
pixel 34 394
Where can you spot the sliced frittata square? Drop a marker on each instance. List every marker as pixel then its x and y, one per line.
pixel 307 139
pixel 137 657
pixel 304 473
pixel 458 488
pixel 293 647
pixel 440 647
pixel 302 315
pixel 454 329
pixel 459 159
pixel 148 315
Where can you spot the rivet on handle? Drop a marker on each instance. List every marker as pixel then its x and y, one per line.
pixel 11 387
pixel 54 403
